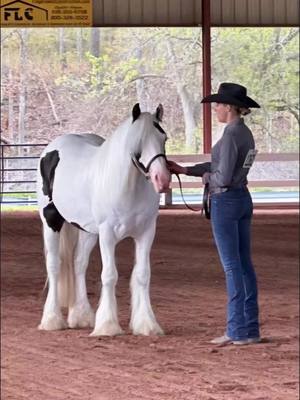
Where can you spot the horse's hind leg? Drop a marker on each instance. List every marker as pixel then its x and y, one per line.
pixel 106 323
pixel 52 318
pixel 143 321
pixel 81 314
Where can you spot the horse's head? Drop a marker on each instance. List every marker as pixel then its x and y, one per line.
pixel 150 158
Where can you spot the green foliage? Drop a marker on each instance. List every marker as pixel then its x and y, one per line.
pixel 103 75
pixel 178 146
pixel 13 208
pixel 265 60
pixel 175 146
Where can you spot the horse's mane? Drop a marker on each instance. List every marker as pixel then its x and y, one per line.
pixel 117 173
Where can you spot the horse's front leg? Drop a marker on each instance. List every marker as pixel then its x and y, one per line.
pixel 81 314
pixel 107 316
pixel 143 321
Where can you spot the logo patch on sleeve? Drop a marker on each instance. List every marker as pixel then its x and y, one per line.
pixel 250 157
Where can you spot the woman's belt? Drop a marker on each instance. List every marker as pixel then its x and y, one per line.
pixel 206 202
pixel 218 190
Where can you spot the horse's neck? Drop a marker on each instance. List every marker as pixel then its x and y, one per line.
pixel 117 175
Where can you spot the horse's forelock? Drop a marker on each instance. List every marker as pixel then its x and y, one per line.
pixel 139 129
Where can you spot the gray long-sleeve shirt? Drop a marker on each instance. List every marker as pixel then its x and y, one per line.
pixel 231 157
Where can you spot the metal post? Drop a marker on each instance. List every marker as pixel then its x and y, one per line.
pixel 2 172
pixel 206 72
pixel 168 198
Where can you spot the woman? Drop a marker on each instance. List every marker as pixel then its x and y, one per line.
pixel 231 210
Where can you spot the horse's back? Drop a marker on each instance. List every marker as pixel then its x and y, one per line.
pixel 93 139
pixel 87 142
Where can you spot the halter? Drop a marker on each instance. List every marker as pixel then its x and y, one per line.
pixel 145 171
pixel 140 167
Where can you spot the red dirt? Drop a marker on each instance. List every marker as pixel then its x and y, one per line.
pixel 188 295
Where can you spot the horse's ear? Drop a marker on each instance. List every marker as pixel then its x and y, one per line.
pixel 136 112
pixel 159 112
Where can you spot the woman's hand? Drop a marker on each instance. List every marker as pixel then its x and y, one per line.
pixel 175 168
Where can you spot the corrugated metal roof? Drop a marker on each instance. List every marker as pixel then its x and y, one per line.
pixel 255 12
pixel 188 12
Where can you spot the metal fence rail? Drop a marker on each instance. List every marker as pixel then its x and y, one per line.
pixel 18 172
pixel 19 164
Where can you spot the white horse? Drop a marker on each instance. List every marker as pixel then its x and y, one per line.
pixel 90 188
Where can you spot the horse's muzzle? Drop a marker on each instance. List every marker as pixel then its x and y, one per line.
pixel 161 182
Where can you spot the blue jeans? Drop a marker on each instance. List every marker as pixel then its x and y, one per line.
pixel 231 214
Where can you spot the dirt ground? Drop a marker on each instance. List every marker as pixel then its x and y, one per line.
pixel 188 296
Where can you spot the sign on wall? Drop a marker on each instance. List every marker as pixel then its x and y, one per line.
pixel 29 13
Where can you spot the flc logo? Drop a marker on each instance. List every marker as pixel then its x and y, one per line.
pixel 20 12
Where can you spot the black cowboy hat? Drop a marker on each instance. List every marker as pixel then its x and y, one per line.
pixel 233 94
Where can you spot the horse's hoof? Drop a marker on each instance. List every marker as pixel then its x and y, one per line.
pixel 79 318
pixel 148 330
pixel 108 328
pixel 52 323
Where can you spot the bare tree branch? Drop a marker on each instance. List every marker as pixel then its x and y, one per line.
pixel 57 119
pixel 145 76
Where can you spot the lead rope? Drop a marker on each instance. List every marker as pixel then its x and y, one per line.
pixel 206 198
pixel 205 202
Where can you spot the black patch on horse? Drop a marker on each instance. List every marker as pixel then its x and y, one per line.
pixel 47 167
pixel 54 220
pixel 78 226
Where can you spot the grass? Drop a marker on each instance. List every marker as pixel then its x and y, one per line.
pixel 15 208
pixel 12 207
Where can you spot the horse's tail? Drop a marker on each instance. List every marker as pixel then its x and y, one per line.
pixel 66 281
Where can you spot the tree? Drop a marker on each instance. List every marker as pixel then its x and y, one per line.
pixel 264 61
pixel 79 40
pixel 95 42
pixel 62 50
pixel 93 91
pixel 22 85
